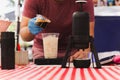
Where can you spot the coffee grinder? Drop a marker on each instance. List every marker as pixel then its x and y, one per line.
pixel 80 38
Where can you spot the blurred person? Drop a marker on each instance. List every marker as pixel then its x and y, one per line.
pixel 110 2
pixel 60 13
pixel 117 2
pixel 95 3
pixel 102 3
pixel 4 24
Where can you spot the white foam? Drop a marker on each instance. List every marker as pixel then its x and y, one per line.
pixel 50 46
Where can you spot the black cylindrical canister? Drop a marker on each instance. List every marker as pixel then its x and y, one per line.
pixel 7 50
pixel 80 29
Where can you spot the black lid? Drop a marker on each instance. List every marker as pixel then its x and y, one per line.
pixel 7 35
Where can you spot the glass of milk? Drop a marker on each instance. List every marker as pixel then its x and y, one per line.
pixel 50 44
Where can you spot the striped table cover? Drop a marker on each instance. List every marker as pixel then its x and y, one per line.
pixel 33 72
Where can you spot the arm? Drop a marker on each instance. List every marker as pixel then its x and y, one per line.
pixel 92 28
pixel 29 11
pixel 24 30
pixel 35 26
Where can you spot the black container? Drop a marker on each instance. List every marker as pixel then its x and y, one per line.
pixel 54 61
pixel 7 50
pixel 81 63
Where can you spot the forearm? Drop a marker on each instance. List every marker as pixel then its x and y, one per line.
pixel 26 35
pixel 24 31
pixel 92 29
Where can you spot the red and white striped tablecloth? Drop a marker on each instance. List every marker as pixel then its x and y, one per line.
pixel 33 72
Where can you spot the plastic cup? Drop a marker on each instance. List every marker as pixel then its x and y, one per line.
pixel 21 58
pixel 50 44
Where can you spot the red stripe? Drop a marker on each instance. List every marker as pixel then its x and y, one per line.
pixel 5 72
pixel 11 71
pixel 73 74
pixel 55 74
pixel 8 73
pixel 38 73
pixel 109 74
pixel 48 72
pixel 82 74
pixel 30 72
pixel 97 70
pixel 117 68
pixel 91 74
pixel 118 73
pixel 25 71
pixel 64 74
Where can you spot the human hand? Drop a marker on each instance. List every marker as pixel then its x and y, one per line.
pixel 80 54
pixel 34 29
pixel 42 21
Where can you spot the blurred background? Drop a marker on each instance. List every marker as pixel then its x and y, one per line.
pixel 9 9
pixel 107 23
pixel 8 20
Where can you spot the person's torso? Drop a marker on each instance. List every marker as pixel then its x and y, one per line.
pixel 60 15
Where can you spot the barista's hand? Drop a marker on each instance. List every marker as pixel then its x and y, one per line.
pixel 80 54
pixel 34 29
